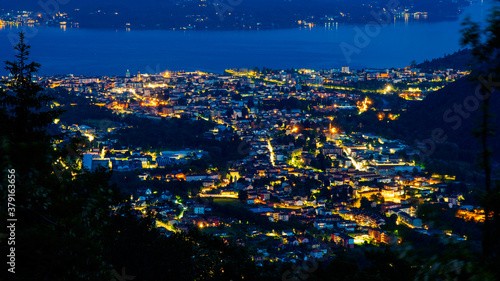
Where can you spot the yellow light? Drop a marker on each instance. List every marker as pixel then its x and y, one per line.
pixel 89 136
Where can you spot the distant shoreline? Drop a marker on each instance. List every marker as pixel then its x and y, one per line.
pixel 244 16
pixel 262 28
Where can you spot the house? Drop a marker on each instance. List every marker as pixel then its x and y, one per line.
pixel 196 177
pixel 220 233
pixel 284 216
pixel 323 225
pixel 208 183
pixel 164 160
pixel 347 225
pixel 384 179
pixel 323 212
pixel 287 201
pixel 452 200
pixel 387 206
pixel 329 149
pixel 409 220
pixel 199 209
pixel 264 196
pixel 294 241
pixel 343 239
pixel 100 163
pixel 381 236
pixel 317 254
pixel 303 239
pixel 252 194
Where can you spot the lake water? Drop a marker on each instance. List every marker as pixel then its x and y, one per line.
pixel 112 52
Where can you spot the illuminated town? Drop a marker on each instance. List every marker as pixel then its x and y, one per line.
pixel 263 140
pixel 298 166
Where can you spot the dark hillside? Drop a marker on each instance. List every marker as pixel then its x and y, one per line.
pixel 451 114
pixel 459 60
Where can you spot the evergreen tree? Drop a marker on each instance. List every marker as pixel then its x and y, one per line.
pixel 26 103
pixel 242 195
pixel 65 228
pixel 60 210
pixel 485 46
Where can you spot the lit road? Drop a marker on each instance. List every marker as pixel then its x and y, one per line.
pixel 184 208
pixel 271 152
pixel 219 195
pixel 356 165
pixel 165 225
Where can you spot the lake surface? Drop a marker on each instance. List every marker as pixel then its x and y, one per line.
pixel 112 52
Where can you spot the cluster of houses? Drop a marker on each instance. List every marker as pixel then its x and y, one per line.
pixel 322 186
pixel 195 94
pixel 397 189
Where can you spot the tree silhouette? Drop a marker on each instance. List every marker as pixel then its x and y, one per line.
pixel 242 195
pixel 65 228
pixel 26 103
pixel 60 212
pixel 485 46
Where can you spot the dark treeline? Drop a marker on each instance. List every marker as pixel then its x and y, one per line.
pixel 461 59
pixel 453 113
pixel 129 182
pixel 288 104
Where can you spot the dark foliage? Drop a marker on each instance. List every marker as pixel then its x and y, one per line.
pixel 460 60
